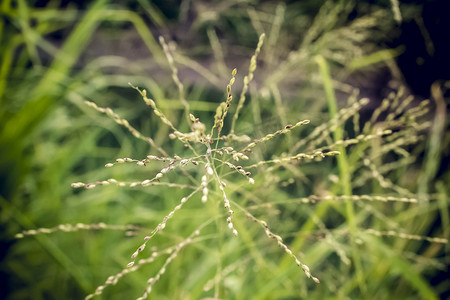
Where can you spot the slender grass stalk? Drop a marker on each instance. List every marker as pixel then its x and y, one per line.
pixel 7 61
pixel 28 36
pixel 176 78
pixel 217 51
pixel 433 152
pixel 344 169
pixel 247 80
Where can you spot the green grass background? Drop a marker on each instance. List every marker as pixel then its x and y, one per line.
pixel 55 55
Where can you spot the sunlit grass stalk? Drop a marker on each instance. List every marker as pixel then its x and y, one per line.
pixel 247 80
pixel 344 169
pixel 175 77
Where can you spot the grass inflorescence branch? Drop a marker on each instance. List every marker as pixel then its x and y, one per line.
pixel 129 229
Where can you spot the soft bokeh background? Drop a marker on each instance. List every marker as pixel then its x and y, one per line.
pixel 57 54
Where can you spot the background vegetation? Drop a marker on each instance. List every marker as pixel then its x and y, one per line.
pixel 319 59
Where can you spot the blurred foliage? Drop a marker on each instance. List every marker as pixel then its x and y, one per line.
pixel 57 54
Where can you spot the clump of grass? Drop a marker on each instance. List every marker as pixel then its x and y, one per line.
pixel 214 162
pixel 399 199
